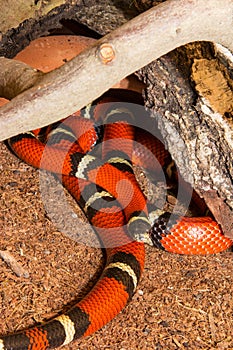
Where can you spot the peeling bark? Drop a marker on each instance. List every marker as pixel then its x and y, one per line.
pixel 191 98
pixel 175 23
pixel 195 123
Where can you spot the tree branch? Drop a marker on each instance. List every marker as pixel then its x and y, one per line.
pixel 23 78
pixel 120 53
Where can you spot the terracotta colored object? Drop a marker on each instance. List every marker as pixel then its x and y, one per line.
pixel 48 53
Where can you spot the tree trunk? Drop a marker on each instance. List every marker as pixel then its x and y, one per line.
pixel 189 92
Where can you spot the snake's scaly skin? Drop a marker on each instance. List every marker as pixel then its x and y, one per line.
pixel 120 210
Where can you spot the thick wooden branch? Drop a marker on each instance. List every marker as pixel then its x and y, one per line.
pixel 130 47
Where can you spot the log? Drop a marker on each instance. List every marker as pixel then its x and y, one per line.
pixel 197 132
pixel 159 30
pixel 190 93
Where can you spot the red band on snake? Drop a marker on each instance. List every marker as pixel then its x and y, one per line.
pixel 119 212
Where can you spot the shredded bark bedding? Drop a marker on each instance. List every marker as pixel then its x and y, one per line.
pixel 182 301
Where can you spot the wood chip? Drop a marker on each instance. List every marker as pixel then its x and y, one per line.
pixel 15 266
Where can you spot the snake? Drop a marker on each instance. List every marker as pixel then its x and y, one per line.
pixel 103 183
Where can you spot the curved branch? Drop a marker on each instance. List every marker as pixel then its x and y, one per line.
pixel 24 77
pixel 120 53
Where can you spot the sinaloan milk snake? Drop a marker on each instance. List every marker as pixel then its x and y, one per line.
pixel 106 188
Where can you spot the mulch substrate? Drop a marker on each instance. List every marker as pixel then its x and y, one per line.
pixel 183 302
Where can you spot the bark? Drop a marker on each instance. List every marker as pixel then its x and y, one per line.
pixel 190 93
pixel 99 18
pixel 197 130
pixel 16 11
pixel 24 77
pixel 175 23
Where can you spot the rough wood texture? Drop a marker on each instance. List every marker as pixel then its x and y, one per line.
pixel 175 24
pixel 190 93
pixel 199 138
pixel 16 11
pixel 102 16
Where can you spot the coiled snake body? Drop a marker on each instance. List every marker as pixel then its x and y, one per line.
pixel 111 198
